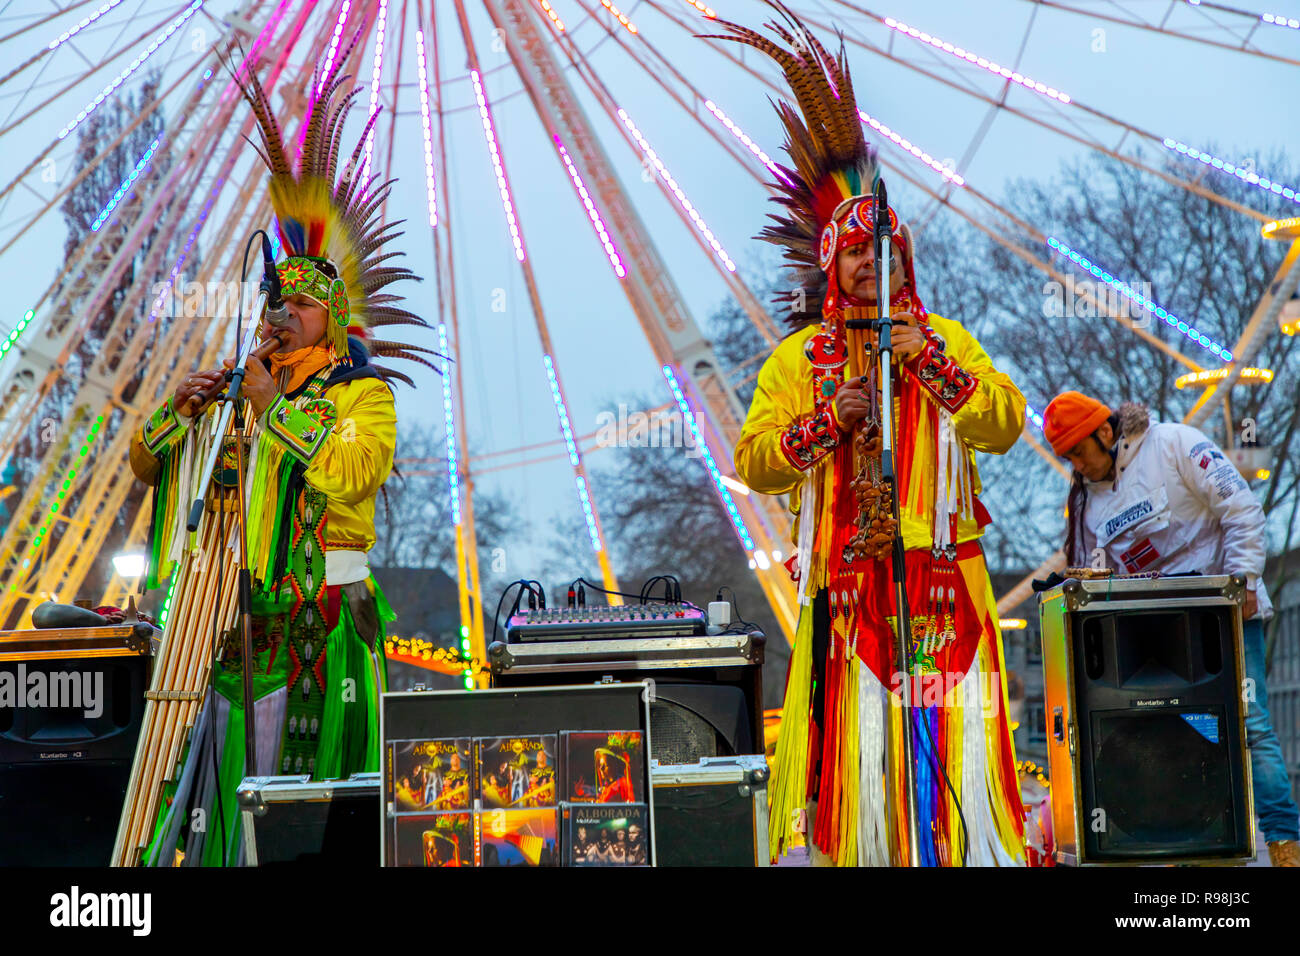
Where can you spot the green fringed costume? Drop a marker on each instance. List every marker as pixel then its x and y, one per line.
pixel 316 459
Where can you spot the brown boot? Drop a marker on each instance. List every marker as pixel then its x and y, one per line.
pixel 1284 853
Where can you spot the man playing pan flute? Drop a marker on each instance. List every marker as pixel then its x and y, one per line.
pixel 321 447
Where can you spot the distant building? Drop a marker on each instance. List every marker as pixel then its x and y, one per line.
pixel 427 604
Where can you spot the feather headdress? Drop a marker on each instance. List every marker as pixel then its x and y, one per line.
pixel 329 222
pixel 827 194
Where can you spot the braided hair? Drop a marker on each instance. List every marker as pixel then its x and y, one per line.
pixel 1077 503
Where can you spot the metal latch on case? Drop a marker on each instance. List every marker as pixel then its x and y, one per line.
pixel 1058 724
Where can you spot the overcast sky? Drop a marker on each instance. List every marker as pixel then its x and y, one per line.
pixel 1245 105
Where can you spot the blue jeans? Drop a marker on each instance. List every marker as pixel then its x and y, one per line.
pixel 1278 816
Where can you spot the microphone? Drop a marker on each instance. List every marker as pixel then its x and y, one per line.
pixel 276 314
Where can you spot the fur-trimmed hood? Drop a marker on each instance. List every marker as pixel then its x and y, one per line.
pixel 1134 419
pixel 1134 424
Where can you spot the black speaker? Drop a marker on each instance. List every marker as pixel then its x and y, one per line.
pixel 1160 755
pixel 71 707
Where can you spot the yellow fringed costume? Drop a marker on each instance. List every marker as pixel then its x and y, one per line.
pixel 840 748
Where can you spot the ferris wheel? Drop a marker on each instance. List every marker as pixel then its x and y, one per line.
pixel 196 186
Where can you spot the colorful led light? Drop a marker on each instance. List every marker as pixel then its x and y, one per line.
pixel 689 418
pixel 618 15
pixel 380 26
pixel 503 187
pixel 453 475
pixel 134 65
pixel 1249 376
pixel 335 39
pixel 39 538
pixel 167 604
pixel 597 223
pixel 981 62
pixel 1282 229
pixel 1204 341
pixel 156 309
pixel 740 134
pixel 8 342
pixel 1034 417
pixel 555 17
pixel 1012 623
pixel 682 201
pixel 1246 176
pixel 915 150
pixel 67 35
pixel 1280 20
pixel 428 129
pixel 707 11
pixel 125 188
pixel 567 429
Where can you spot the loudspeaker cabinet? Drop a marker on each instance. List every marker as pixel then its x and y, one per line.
pixel 1145 709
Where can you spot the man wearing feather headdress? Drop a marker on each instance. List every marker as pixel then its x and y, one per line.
pixel 321 445
pixel 806 435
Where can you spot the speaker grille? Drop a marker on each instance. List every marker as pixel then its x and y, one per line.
pixel 679 735
pixel 1161 782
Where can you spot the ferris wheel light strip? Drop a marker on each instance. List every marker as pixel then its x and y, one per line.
pixel 8 341
pixel 1198 337
pixel 550 12
pixel 134 65
pixel 375 72
pixel 156 309
pixel 428 129
pixel 1280 20
pixel 490 133
pixel 707 11
pixel 707 456
pixel 597 223
pixel 67 35
pixel 567 429
pixel 938 167
pixel 1245 175
pixel 619 16
pixel 981 62
pixel 127 185
pixel 740 134
pixel 335 39
pixel 453 477
pixel 682 201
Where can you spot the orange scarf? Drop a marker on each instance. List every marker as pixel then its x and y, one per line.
pixel 302 364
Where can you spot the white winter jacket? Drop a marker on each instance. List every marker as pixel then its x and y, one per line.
pixel 1176 504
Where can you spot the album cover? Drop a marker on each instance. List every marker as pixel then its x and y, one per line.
pixel 605 766
pixel 521 837
pixel 517 771
pixel 432 774
pixel 434 839
pixel 607 834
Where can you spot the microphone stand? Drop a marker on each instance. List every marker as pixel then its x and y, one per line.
pixel 269 289
pixel 902 636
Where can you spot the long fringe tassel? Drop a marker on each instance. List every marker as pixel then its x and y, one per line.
pixel 788 787
pixel 873 825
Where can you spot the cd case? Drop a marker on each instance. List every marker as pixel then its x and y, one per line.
pixel 434 839
pixel 604 766
pixel 516 772
pixel 606 834
pixel 520 837
pixel 432 775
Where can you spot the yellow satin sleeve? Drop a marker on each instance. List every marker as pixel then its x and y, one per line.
pixel 780 396
pixel 355 460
